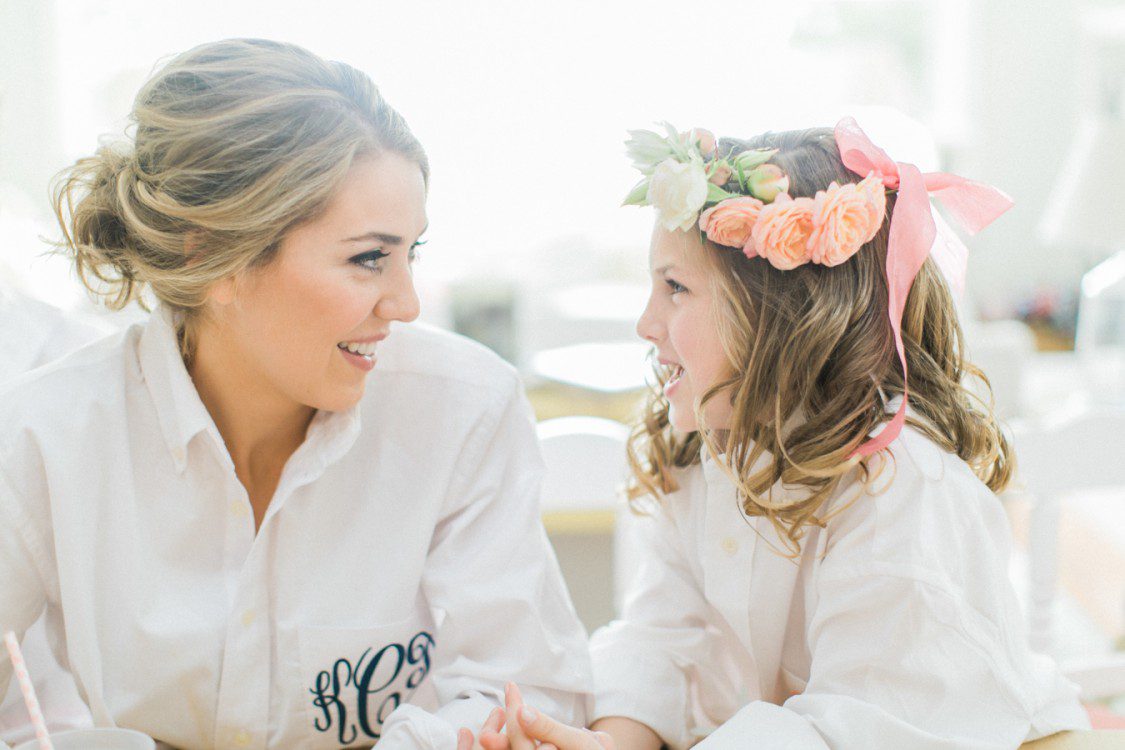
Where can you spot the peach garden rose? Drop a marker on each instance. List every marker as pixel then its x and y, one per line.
pixel 729 222
pixel 781 233
pixel 844 218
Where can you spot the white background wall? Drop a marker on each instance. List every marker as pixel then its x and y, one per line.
pixel 522 106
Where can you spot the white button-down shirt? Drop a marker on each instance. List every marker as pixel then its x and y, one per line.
pixel 895 627
pixel 33 333
pixel 400 575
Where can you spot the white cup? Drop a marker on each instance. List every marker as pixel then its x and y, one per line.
pixel 95 739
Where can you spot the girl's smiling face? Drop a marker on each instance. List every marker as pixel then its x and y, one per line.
pixel 680 320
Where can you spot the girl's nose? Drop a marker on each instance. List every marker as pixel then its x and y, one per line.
pixel 648 327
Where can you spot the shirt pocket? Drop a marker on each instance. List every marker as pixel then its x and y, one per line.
pixel 351 679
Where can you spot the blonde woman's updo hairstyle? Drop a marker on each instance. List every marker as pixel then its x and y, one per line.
pixel 235 143
pixel 811 358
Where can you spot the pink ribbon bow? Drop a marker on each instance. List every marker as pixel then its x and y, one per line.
pixel 973 205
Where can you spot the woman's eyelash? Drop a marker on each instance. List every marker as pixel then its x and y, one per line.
pixel 675 286
pixel 369 260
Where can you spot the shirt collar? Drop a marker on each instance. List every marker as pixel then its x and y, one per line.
pixel 182 415
pixel 179 410
pixel 330 435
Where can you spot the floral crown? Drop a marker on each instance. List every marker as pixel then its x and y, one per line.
pixel 742 200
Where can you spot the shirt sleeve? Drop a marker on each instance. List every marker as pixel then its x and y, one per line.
pixel 498 597
pixel 23 593
pixel 645 662
pixel 896 662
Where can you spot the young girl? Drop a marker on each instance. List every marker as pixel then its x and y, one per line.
pixel 826 558
pixel 273 514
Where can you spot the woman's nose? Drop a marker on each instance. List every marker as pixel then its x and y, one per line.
pixel 401 303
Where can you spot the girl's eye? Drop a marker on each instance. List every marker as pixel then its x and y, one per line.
pixel 369 260
pixel 675 286
pixel 415 251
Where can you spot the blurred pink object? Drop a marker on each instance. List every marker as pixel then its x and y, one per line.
pixel 28 691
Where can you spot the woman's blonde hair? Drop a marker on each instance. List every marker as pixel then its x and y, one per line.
pixel 809 351
pixel 235 143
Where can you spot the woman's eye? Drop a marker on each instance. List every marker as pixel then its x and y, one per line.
pixel 675 286
pixel 369 260
pixel 416 251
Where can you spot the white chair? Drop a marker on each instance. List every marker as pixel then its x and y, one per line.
pixel 1064 456
pixel 580 502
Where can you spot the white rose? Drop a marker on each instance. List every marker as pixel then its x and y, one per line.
pixel 678 190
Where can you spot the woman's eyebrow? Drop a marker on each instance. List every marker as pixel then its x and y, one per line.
pixel 386 239
pixel 383 237
pixel 664 269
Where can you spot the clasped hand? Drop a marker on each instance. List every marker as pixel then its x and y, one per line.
pixel 521 727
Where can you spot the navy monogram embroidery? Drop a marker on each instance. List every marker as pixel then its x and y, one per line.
pixel 371 679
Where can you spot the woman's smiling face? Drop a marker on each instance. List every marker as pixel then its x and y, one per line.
pixel 336 284
pixel 680 320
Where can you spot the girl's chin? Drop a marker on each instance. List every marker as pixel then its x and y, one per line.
pixel 682 420
pixel 682 417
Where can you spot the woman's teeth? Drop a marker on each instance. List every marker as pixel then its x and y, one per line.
pixel 677 371
pixel 363 350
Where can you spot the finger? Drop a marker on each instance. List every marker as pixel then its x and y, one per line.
pixel 543 728
pixel 464 739
pixel 604 740
pixel 516 736
pixel 495 720
pixel 490 740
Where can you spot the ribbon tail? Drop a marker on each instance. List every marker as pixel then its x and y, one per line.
pixel 950 255
pixel 911 236
pixel 973 205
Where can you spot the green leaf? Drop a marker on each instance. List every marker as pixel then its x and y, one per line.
pixel 714 164
pixel 716 194
pixel 638 196
pixel 754 158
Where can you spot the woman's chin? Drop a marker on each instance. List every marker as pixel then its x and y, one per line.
pixel 340 398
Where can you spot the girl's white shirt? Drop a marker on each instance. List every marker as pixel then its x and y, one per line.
pixel 399 578
pixel 894 627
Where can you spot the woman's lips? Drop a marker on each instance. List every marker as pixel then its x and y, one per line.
pixel 363 363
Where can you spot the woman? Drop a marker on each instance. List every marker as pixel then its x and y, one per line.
pixel 271 516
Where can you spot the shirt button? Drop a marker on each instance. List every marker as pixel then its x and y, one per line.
pixel 238 509
pixel 248 617
pixel 242 738
pixel 730 545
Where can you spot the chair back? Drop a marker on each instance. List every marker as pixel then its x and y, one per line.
pixel 1057 456
pixel 585 459
pixel 584 512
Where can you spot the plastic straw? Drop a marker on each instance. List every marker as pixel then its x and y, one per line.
pixel 28 692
